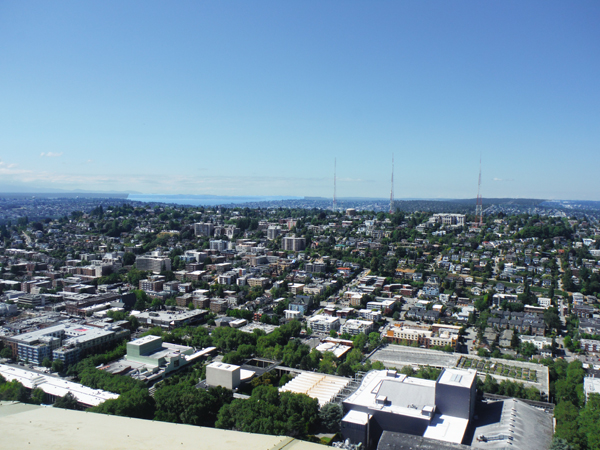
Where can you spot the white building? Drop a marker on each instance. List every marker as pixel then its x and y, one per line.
pixel 539 341
pixel 218 245
pixel 354 327
pixel 545 302
pixel 292 315
pixel 55 387
pixel 368 314
pixel 323 323
pixel 448 219
pixel 386 401
pixel 225 375
pixel 154 263
pixel 591 385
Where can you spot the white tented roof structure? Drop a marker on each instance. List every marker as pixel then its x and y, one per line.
pixel 316 385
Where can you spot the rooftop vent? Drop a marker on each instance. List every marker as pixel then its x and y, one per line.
pixel 456 378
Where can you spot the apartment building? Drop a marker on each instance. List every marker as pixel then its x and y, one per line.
pixel 324 324
pixel 293 244
pixel 156 264
pixel 204 229
pixel 423 336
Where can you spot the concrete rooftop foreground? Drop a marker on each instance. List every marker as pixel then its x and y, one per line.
pixel 32 427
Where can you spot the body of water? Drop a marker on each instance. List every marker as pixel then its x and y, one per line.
pixel 203 200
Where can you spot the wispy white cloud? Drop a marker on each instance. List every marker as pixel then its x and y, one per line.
pixel 11 169
pixel 503 179
pixel 167 184
pixel 51 154
pixel 7 166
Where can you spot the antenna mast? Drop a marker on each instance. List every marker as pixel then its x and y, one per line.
pixel 479 207
pixel 334 207
pixel 392 188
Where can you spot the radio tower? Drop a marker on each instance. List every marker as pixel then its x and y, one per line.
pixel 479 207
pixel 334 207
pixel 392 188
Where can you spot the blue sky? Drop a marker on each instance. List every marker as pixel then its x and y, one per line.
pixel 258 98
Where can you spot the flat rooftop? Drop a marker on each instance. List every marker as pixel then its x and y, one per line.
pixel 145 340
pixel 403 395
pixel 56 386
pixel 33 426
pixel 323 318
pixel 446 428
pixel 591 385
pixel 337 349
pixel 357 417
pixel 223 366
pixel 463 378
pixel 258 326
pixel 166 316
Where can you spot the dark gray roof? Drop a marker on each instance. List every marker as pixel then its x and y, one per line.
pixel 528 427
pixel 402 441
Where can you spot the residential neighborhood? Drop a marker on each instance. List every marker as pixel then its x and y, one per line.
pixel 340 293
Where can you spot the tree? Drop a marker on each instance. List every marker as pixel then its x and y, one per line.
pixel 6 352
pixel 552 319
pixel 142 300
pixel 483 352
pixel 58 365
pixel 330 416
pixel 589 421
pixel 132 403
pixel 560 444
pixel 38 396
pixel 515 341
pixel 568 343
pixel 46 362
pixel 328 364
pixel 527 349
pixel 268 411
pixel 481 304
pixel 345 370
pixel 374 341
pixel 13 391
pixel 128 259
pixel 68 401
pixel 566 422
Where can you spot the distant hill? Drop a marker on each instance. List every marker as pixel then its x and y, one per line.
pixel 501 201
